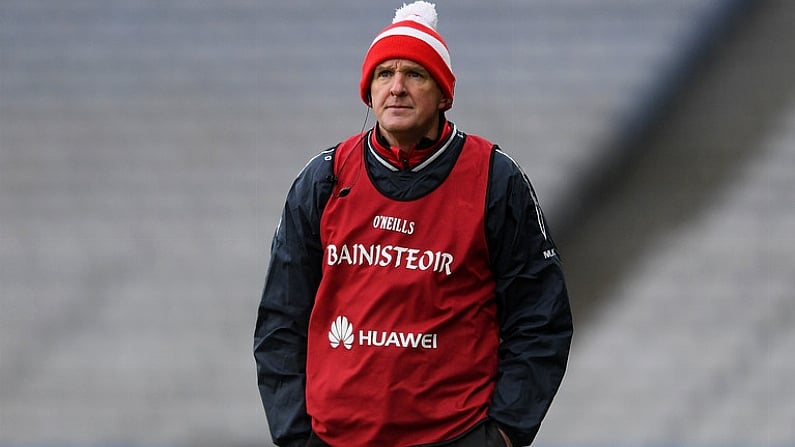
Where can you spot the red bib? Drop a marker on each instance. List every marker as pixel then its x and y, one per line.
pixel 402 344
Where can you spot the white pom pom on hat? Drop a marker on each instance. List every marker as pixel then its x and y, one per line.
pixel 421 12
pixel 412 35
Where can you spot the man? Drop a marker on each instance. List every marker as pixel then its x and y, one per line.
pixel 414 296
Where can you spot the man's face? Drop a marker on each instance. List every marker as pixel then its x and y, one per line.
pixel 406 100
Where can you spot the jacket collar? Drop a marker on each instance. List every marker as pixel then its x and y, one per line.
pixel 395 159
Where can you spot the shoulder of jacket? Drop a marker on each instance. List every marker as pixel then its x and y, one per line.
pixel 345 147
pixel 319 166
pixel 505 165
pixel 482 141
pixel 507 173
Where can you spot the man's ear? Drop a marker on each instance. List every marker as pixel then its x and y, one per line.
pixel 444 103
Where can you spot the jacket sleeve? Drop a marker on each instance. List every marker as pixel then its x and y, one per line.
pixel 532 301
pixel 292 280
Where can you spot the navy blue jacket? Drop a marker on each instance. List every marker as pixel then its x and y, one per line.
pixel 532 301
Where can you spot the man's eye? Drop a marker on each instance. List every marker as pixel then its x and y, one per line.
pixel 415 74
pixel 384 73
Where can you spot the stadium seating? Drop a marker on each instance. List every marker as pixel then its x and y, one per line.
pixel 146 148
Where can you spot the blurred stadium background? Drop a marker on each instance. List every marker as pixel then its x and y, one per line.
pixel 146 147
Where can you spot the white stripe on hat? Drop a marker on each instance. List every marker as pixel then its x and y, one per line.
pixel 417 34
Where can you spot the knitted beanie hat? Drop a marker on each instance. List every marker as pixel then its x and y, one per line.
pixel 412 35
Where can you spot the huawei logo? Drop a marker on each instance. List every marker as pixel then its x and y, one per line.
pixel 341 333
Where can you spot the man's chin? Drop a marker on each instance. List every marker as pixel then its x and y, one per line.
pixel 396 125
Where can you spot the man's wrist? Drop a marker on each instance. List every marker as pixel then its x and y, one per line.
pixel 508 435
pixel 505 437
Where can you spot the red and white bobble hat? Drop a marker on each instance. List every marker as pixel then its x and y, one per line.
pixel 412 35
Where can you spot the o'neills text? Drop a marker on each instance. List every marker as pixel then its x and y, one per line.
pixel 389 256
pixel 393 224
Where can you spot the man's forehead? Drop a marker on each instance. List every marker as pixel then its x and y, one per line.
pixel 402 63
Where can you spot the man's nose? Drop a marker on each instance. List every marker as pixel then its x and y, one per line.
pixel 398 87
